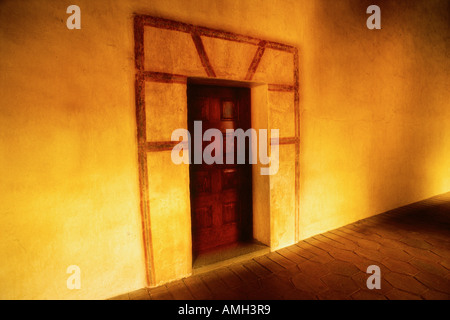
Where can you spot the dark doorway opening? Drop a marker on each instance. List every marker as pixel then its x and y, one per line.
pixel 221 194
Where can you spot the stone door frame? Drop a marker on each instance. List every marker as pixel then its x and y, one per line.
pixel 212 49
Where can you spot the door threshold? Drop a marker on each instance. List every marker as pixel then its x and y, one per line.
pixel 224 256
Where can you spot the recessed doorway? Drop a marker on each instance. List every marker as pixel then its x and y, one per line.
pixel 221 194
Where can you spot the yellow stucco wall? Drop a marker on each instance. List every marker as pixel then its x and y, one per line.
pixel 375 125
pixel 375 110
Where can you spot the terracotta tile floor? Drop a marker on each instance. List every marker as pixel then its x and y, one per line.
pixel 411 245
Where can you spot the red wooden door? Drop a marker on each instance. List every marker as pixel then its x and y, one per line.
pixel 221 194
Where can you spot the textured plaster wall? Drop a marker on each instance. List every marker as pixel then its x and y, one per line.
pixel 375 110
pixel 375 126
pixel 68 161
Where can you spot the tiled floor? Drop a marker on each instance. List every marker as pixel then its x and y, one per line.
pixel 411 245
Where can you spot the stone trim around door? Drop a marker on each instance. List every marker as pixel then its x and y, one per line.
pixel 168 55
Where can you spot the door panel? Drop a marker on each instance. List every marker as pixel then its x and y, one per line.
pixel 221 201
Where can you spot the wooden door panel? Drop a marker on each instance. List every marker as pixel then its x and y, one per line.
pixel 220 193
pixel 230 212
pixel 230 178
pixel 202 181
pixel 203 217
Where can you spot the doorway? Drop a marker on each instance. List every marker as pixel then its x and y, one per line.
pixel 221 193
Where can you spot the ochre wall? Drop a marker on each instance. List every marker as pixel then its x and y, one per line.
pixel 68 157
pixel 375 110
pixel 375 125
